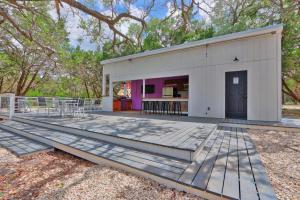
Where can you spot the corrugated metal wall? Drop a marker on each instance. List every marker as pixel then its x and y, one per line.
pixel 206 66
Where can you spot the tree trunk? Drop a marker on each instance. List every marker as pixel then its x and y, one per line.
pixel 1 84
pixel 86 89
pixel 288 91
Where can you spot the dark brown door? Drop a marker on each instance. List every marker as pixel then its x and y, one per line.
pixel 236 94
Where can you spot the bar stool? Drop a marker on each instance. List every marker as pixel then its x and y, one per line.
pixel 177 107
pixel 145 106
pixel 165 107
pixel 155 107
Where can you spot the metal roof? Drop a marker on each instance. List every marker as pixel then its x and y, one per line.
pixel 249 33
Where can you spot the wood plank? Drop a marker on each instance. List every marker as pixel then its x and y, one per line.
pixel 215 183
pixel 112 153
pixel 247 183
pixel 263 184
pixel 189 174
pixel 182 138
pixel 231 181
pixel 20 145
pixel 197 139
pixel 173 137
pixel 113 149
pixel 202 177
pixel 86 144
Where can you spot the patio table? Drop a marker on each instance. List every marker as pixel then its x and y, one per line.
pixel 65 105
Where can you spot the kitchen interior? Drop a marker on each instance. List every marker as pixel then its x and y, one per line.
pixel 128 95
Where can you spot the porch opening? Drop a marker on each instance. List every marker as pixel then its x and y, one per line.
pixel 164 95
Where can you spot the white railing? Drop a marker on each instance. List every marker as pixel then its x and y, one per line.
pixel 7 104
pixel 11 105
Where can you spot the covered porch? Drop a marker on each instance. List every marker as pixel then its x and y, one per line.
pixel 163 95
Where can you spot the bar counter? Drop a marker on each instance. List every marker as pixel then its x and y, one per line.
pixel 167 99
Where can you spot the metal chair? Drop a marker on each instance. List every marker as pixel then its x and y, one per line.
pixel 79 107
pixel 42 104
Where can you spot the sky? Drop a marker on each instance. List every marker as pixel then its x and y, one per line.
pixel 160 10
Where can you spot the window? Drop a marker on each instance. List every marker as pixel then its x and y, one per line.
pixel 149 89
pixel 107 82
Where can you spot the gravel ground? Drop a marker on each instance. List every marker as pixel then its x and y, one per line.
pixel 280 154
pixel 57 175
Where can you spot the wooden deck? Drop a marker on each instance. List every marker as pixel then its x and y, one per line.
pixel 227 166
pixel 21 146
pixel 179 134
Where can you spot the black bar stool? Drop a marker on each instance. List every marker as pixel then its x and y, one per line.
pixel 145 106
pixel 155 107
pixel 165 107
pixel 177 107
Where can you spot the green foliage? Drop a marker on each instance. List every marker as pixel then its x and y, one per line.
pixel 78 73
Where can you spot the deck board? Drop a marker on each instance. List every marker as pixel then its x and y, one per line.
pixel 191 171
pixel 202 177
pixel 262 182
pixel 19 145
pixel 231 181
pixel 216 180
pixel 197 139
pixel 247 183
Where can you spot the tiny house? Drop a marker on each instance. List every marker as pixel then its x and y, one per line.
pixel 230 76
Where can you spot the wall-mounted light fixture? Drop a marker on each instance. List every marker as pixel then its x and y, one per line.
pixel 236 59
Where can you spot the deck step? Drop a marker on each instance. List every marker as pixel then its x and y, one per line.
pixel 152 163
pixel 183 153
pixel 21 146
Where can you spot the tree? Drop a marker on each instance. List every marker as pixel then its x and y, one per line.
pixel 87 68
pixel 26 58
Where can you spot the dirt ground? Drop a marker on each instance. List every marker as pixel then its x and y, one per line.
pixel 291 111
pixel 57 175
pixel 280 154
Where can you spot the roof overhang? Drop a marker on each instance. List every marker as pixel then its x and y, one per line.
pixel 233 36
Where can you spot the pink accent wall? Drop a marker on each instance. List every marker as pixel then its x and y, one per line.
pixel 136 93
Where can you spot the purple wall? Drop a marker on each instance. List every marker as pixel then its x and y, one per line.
pixel 136 93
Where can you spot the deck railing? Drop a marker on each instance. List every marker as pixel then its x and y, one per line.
pixel 11 105
pixel 7 105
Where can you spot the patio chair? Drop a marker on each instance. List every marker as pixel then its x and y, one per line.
pixel 78 108
pixel 97 104
pixel 42 104
pixel 88 105
pixel 24 105
pixel 53 106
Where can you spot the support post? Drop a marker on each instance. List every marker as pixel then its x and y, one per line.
pixel 125 89
pixel 144 87
pixel 11 105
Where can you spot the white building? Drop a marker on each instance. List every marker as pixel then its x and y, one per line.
pixel 231 76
